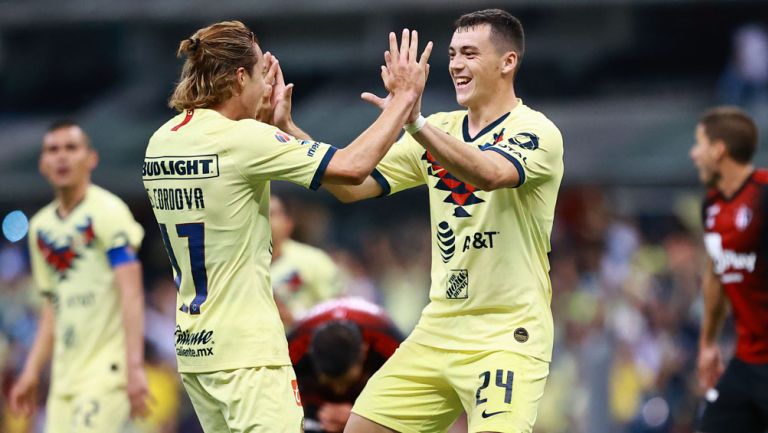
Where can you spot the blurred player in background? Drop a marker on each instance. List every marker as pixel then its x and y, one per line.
pixel 484 342
pixel 211 200
pixel 735 216
pixel 335 350
pixel 83 247
pixel 302 275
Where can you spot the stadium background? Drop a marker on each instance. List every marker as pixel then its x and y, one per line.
pixel 624 80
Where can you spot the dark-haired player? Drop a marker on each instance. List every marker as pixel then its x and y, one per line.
pixel 735 214
pixel 83 249
pixel 484 342
pixel 335 349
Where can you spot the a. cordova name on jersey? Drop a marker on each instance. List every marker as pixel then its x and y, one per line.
pixel 180 167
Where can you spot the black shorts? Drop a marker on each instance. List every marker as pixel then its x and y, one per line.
pixel 742 401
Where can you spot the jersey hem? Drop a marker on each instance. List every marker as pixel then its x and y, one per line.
pixel 268 362
pixel 513 160
pixel 382 181
pixel 384 421
pixel 318 177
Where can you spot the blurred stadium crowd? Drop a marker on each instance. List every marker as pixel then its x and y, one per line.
pixel 626 252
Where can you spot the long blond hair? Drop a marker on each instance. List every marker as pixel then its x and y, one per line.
pixel 214 54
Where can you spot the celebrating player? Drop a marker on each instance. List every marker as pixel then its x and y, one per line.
pixel 484 342
pixel 302 275
pixel 735 226
pixel 207 173
pixel 83 247
pixel 335 349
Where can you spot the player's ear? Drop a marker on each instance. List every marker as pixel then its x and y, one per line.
pixel 93 159
pixel 719 149
pixel 509 62
pixel 240 77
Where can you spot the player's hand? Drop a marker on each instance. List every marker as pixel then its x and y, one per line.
pixel 23 396
pixel 264 110
pixel 138 392
pixel 402 72
pixel 281 100
pixel 710 366
pixel 334 416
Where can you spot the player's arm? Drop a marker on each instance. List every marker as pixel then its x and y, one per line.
pixel 23 397
pixel 128 278
pixel 485 170
pixel 710 364
pixel 405 77
pixel 351 193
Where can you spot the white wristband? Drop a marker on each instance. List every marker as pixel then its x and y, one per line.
pixel 416 126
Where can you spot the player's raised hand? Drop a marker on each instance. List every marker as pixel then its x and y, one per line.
pixel 281 100
pixel 23 396
pixel 402 71
pixel 264 110
pixel 710 366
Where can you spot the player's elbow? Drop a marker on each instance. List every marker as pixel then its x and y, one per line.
pixel 342 170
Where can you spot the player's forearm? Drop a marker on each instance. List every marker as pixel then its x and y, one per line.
pixel 128 278
pixel 351 193
pixel 42 348
pixel 294 130
pixel 714 310
pixel 353 164
pixel 467 163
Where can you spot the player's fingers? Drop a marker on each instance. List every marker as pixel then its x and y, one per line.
pixel 289 91
pixel 405 40
pixel 393 45
pixel 387 58
pixel 372 99
pixel 413 48
pixel 269 78
pixel 424 61
pixel 279 79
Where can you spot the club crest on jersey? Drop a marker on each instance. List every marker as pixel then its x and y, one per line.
pixel 526 140
pixel 743 217
pixel 282 137
pixel 461 193
pixel 712 213
pixel 62 258
pixel 446 241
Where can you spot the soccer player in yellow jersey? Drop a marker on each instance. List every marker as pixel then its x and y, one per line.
pixel 484 342
pixel 207 174
pixel 302 275
pixel 83 247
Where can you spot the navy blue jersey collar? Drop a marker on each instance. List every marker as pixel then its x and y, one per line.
pixel 465 127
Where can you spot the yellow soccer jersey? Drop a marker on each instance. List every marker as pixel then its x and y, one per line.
pixel 207 178
pixel 490 271
pixel 72 261
pixel 304 276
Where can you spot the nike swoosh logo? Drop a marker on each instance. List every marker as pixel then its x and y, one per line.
pixel 490 414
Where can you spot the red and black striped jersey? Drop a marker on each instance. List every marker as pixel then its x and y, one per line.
pixel 736 239
pixel 376 329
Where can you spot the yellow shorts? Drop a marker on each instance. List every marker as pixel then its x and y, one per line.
pixel 424 389
pixel 260 399
pixel 92 412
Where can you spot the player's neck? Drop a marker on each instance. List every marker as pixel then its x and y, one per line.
pixel 732 177
pixel 232 109
pixel 481 115
pixel 69 197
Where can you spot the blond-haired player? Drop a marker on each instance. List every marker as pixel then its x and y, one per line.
pixel 484 342
pixel 207 174
pixel 83 247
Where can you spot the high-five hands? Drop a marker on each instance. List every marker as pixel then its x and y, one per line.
pixel 402 72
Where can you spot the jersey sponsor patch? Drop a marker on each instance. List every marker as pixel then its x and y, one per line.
pixel 282 137
pixel 181 167
pixel 446 241
pixel 458 284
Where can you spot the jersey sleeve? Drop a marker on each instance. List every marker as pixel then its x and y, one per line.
pixel 262 152
pixel 118 232
pixel 399 169
pixel 40 272
pixel 536 151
